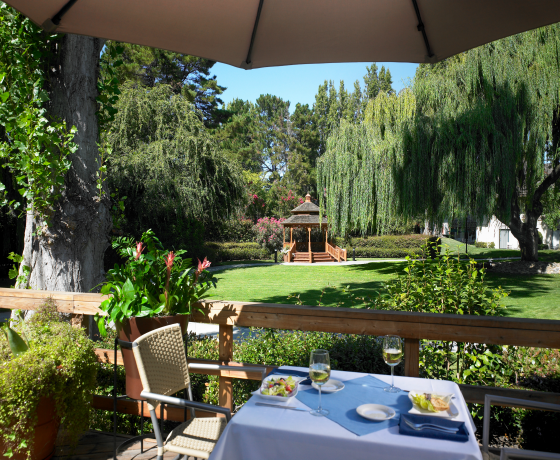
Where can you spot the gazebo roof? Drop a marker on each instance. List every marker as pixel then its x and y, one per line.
pixel 307 207
pixel 304 220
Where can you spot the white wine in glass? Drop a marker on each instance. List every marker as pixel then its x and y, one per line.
pixel 319 372
pixel 392 355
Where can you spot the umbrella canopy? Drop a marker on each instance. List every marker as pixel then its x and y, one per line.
pixel 264 33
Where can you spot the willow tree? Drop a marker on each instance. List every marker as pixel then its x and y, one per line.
pixel 484 137
pixel 356 171
pixel 167 164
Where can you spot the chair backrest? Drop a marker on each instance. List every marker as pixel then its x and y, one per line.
pixel 160 358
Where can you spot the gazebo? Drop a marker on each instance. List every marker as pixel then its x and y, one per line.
pixel 306 215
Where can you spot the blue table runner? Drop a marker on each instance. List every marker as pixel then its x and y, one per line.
pixel 364 390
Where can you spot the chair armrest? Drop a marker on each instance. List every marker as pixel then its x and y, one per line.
pixel 224 367
pixel 489 399
pixel 186 403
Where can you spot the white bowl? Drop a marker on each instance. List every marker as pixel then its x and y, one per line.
pixel 275 397
pixel 376 412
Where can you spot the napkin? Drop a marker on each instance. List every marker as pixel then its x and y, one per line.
pixel 291 372
pixel 461 436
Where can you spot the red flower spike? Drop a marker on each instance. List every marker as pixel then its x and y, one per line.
pixel 139 248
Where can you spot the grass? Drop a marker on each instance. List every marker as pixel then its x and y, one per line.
pixel 530 296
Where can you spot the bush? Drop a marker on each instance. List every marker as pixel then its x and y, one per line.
pixel 270 233
pixel 482 244
pixel 356 353
pixel 239 229
pixel 235 251
pixel 543 246
pixel 381 253
pixel 390 242
pixel 491 245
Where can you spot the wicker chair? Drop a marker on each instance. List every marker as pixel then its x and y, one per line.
pixel 162 365
pixel 508 453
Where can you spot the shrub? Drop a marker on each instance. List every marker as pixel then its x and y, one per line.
pixel 543 246
pixel 355 353
pixel 236 251
pixel 239 229
pixel 390 242
pixel 382 253
pixel 491 245
pixel 480 244
pixel 59 364
pixel 270 233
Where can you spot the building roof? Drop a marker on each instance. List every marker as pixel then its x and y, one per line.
pixel 303 220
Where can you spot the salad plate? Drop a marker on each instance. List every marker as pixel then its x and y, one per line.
pixel 376 412
pixel 330 386
pixel 280 388
pixel 434 404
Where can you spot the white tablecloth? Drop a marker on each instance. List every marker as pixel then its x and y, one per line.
pixel 261 433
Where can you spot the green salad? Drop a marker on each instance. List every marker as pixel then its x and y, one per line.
pixel 429 402
pixel 279 387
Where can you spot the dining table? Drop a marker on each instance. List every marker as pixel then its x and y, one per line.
pixel 260 432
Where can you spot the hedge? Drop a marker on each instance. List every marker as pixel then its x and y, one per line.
pixel 235 251
pixel 414 241
pixel 482 244
pixel 381 253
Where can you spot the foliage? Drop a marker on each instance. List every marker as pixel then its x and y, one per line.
pixel 444 285
pixel 270 233
pixel 412 241
pixel 169 167
pixel 237 228
pixel 60 364
pixel 34 148
pixel 188 76
pixel 384 253
pixel 236 251
pixel 158 283
pixel 356 171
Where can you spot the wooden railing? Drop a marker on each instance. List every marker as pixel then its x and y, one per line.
pixel 337 253
pixel 411 326
pixel 289 256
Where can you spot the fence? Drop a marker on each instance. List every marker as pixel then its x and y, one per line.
pixel 411 326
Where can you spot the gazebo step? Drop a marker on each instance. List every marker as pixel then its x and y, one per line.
pixel 317 257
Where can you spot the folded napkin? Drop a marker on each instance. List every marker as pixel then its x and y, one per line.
pixel 461 436
pixel 363 390
pixel 291 372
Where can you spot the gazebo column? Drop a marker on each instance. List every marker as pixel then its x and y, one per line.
pixel 284 237
pixel 291 229
pixel 326 238
pixel 310 253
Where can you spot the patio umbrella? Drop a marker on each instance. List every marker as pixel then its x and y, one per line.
pixel 263 33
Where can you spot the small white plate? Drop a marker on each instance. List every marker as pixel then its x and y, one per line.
pixel 331 386
pixel 376 412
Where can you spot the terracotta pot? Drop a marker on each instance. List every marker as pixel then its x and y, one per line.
pixel 46 432
pixel 130 330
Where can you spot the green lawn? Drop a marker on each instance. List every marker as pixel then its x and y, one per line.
pixel 531 296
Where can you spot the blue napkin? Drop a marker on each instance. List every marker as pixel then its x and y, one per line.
pixel 307 381
pixel 364 390
pixel 461 436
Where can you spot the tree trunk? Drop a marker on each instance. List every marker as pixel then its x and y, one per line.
pixel 68 254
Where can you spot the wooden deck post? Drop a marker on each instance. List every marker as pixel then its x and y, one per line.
pixel 291 229
pixel 226 355
pixel 412 357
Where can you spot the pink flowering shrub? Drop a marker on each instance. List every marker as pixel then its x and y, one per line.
pixel 269 233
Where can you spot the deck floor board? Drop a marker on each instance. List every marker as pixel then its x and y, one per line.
pixel 97 445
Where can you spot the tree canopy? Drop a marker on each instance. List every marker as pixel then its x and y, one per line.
pixel 482 139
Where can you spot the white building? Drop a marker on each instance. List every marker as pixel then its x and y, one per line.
pixel 500 234
pixel 494 231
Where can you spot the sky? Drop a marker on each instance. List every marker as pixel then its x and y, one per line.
pixel 299 83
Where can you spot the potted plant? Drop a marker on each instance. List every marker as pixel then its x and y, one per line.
pixel 154 288
pixel 47 376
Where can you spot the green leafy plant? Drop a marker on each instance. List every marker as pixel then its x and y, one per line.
pixel 157 283
pixel 55 361
pixel 13 273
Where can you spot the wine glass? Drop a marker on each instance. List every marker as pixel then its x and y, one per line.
pixel 319 372
pixel 392 355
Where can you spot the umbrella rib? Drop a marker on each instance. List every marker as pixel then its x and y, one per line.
pixel 50 25
pixel 422 29
pixel 248 60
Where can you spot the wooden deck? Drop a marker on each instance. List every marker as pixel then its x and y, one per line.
pixel 96 445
